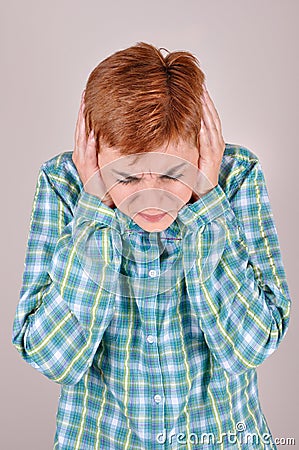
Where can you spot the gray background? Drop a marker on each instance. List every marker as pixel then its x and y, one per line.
pixel 249 53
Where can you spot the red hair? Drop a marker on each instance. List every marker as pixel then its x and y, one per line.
pixel 137 99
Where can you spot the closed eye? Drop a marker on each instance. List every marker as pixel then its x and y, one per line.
pixel 128 180
pixel 170 178
pixel 134 179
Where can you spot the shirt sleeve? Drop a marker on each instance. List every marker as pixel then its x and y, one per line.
pixel 63 308
pixel 240 293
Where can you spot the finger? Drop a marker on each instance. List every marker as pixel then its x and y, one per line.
pixel 82 105
pixel 208 147
pixel 207 116
pixel 91 152
pixel 213 110
pixel 212 107
pixel 78 122
pixel 81 136
pixel 209 111
pixel 204 141
pixel 215 136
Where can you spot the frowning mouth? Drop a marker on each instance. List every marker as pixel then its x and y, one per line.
pixel 152 217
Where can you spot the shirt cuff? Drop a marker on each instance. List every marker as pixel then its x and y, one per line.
pixel 91 207
pixel 207 208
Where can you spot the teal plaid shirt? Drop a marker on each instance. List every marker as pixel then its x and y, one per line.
pixel 154 337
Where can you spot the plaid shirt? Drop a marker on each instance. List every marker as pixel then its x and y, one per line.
pixel 154 337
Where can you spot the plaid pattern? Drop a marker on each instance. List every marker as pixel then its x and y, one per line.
pixel 154 334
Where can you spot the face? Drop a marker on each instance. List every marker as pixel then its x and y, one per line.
pixel 150 187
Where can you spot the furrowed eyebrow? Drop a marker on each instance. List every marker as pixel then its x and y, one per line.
pixel 169 172
pixel 174 169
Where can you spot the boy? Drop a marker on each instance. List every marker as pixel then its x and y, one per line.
pixel 152 291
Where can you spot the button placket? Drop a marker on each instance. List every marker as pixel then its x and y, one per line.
pixel 147 288
pixel 152 273
pixel 150 338
pixel 157 398
pixel 153 357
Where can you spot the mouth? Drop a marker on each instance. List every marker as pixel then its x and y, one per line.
pixel 152 217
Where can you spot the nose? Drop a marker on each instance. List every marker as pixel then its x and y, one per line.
pixel 151 194
pixel 151 180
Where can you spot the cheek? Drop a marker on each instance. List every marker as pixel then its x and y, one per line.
pixel 181 190
pixel 120 192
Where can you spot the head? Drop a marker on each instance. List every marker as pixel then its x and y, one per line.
pixel 145 109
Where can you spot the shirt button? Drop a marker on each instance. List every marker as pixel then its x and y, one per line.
pixel 152 273
pixel 150 338
pixel 157 398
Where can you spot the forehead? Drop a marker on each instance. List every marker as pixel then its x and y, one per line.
pixel 159 160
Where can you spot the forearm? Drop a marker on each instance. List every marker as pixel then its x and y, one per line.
pixel 63 313
pixel 238 286
pixel 243 314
